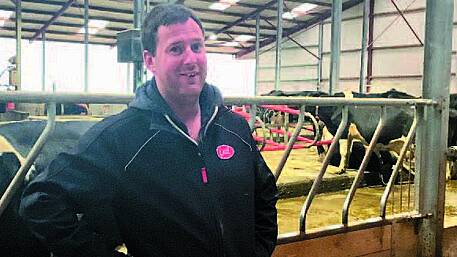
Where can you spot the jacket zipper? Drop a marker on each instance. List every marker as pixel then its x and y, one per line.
pixel 204 177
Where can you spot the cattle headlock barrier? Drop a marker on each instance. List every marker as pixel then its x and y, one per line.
pixel 378 231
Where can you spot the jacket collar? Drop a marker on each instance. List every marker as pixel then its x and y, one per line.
pixel 147 97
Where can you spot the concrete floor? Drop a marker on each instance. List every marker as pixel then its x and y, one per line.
pixel 298 175
pixel 300 170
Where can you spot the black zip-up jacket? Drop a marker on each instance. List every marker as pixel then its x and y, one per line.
pixel 138 178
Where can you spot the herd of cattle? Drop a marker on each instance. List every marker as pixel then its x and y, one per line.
pixel 16 140
pixel 362 123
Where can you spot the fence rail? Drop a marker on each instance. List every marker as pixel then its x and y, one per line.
pixel 38 97
pixel 301 102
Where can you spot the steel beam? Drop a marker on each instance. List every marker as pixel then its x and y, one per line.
pixel 43 62
pixel 337 9
pixel 297 28
pixel 137 20
pixel 295 41
pixel 320 3
pixel 18 44
pixel 117 29
pixel 432 136
pixel 370 46
pixel 407 22
pixel 363 49
pixel 81 6
pixel 176 1
pixel 42 97
pixel 246 17
pixel 54 17
pixel 280 7
pixel 86 46
pixel 121 20
pixel 257 52
pixel 319 53
pixel 51 32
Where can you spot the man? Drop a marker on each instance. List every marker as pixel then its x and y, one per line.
pixel 176 174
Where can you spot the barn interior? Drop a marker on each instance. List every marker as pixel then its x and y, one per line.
pixel 286 53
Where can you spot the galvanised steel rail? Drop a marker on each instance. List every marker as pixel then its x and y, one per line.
pixel 282 162
pixel 38 97
pixel 366 158
pixel 317 182
pixel 397 167
pixel 359 225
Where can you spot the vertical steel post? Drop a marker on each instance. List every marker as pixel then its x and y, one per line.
pixel 18 44
pixel 370 46
pixel 86 46
pixel 129 78
pixel 138 6
pixel 337 9
pixel 278 44
pixel 43 64
pixel 363 49
pixel 146 11
pixel 432 137
pixel 257 52
pixel 256 76
pixel 319 53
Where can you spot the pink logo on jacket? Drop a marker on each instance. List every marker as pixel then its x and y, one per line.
pixel 225 152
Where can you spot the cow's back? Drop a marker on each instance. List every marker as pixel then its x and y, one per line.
pixel 15 238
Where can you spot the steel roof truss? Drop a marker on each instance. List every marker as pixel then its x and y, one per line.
pixel 54 17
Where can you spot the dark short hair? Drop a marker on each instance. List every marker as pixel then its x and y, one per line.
pixel 164 15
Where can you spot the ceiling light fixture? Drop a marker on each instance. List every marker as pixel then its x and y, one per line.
pixel 288 16
pixel 230 2
pixel 98 24
pixel 94 26
pixel 212 36
pixel 219 6
pixel 4 15
pixel 303 9
pixel 231 43
pixel 91 31
pixel 244 38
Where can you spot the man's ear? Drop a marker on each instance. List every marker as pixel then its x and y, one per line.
pixel 149 61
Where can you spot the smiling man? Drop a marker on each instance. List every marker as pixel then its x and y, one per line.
pixel 176 174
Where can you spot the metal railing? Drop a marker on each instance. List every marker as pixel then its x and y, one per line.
pixel 31 156
pixel 302 102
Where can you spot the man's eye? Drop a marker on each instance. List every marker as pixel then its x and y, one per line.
pixel 175 50
pixel 196 47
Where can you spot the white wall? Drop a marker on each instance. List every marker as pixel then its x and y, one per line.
pixel 65 68
pixel 233 77
pixel 397 63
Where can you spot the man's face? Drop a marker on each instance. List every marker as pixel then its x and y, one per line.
pixel 179 65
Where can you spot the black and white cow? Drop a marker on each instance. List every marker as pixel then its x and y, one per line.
pixel 16 140
pixel 362 123
pixel 452 136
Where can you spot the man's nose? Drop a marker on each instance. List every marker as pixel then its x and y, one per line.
pixel 190 56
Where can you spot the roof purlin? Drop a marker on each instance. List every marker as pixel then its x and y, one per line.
pixel 326 14
pixel 54 17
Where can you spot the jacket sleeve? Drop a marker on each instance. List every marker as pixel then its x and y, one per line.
pixel 266 196
pixel 69 205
